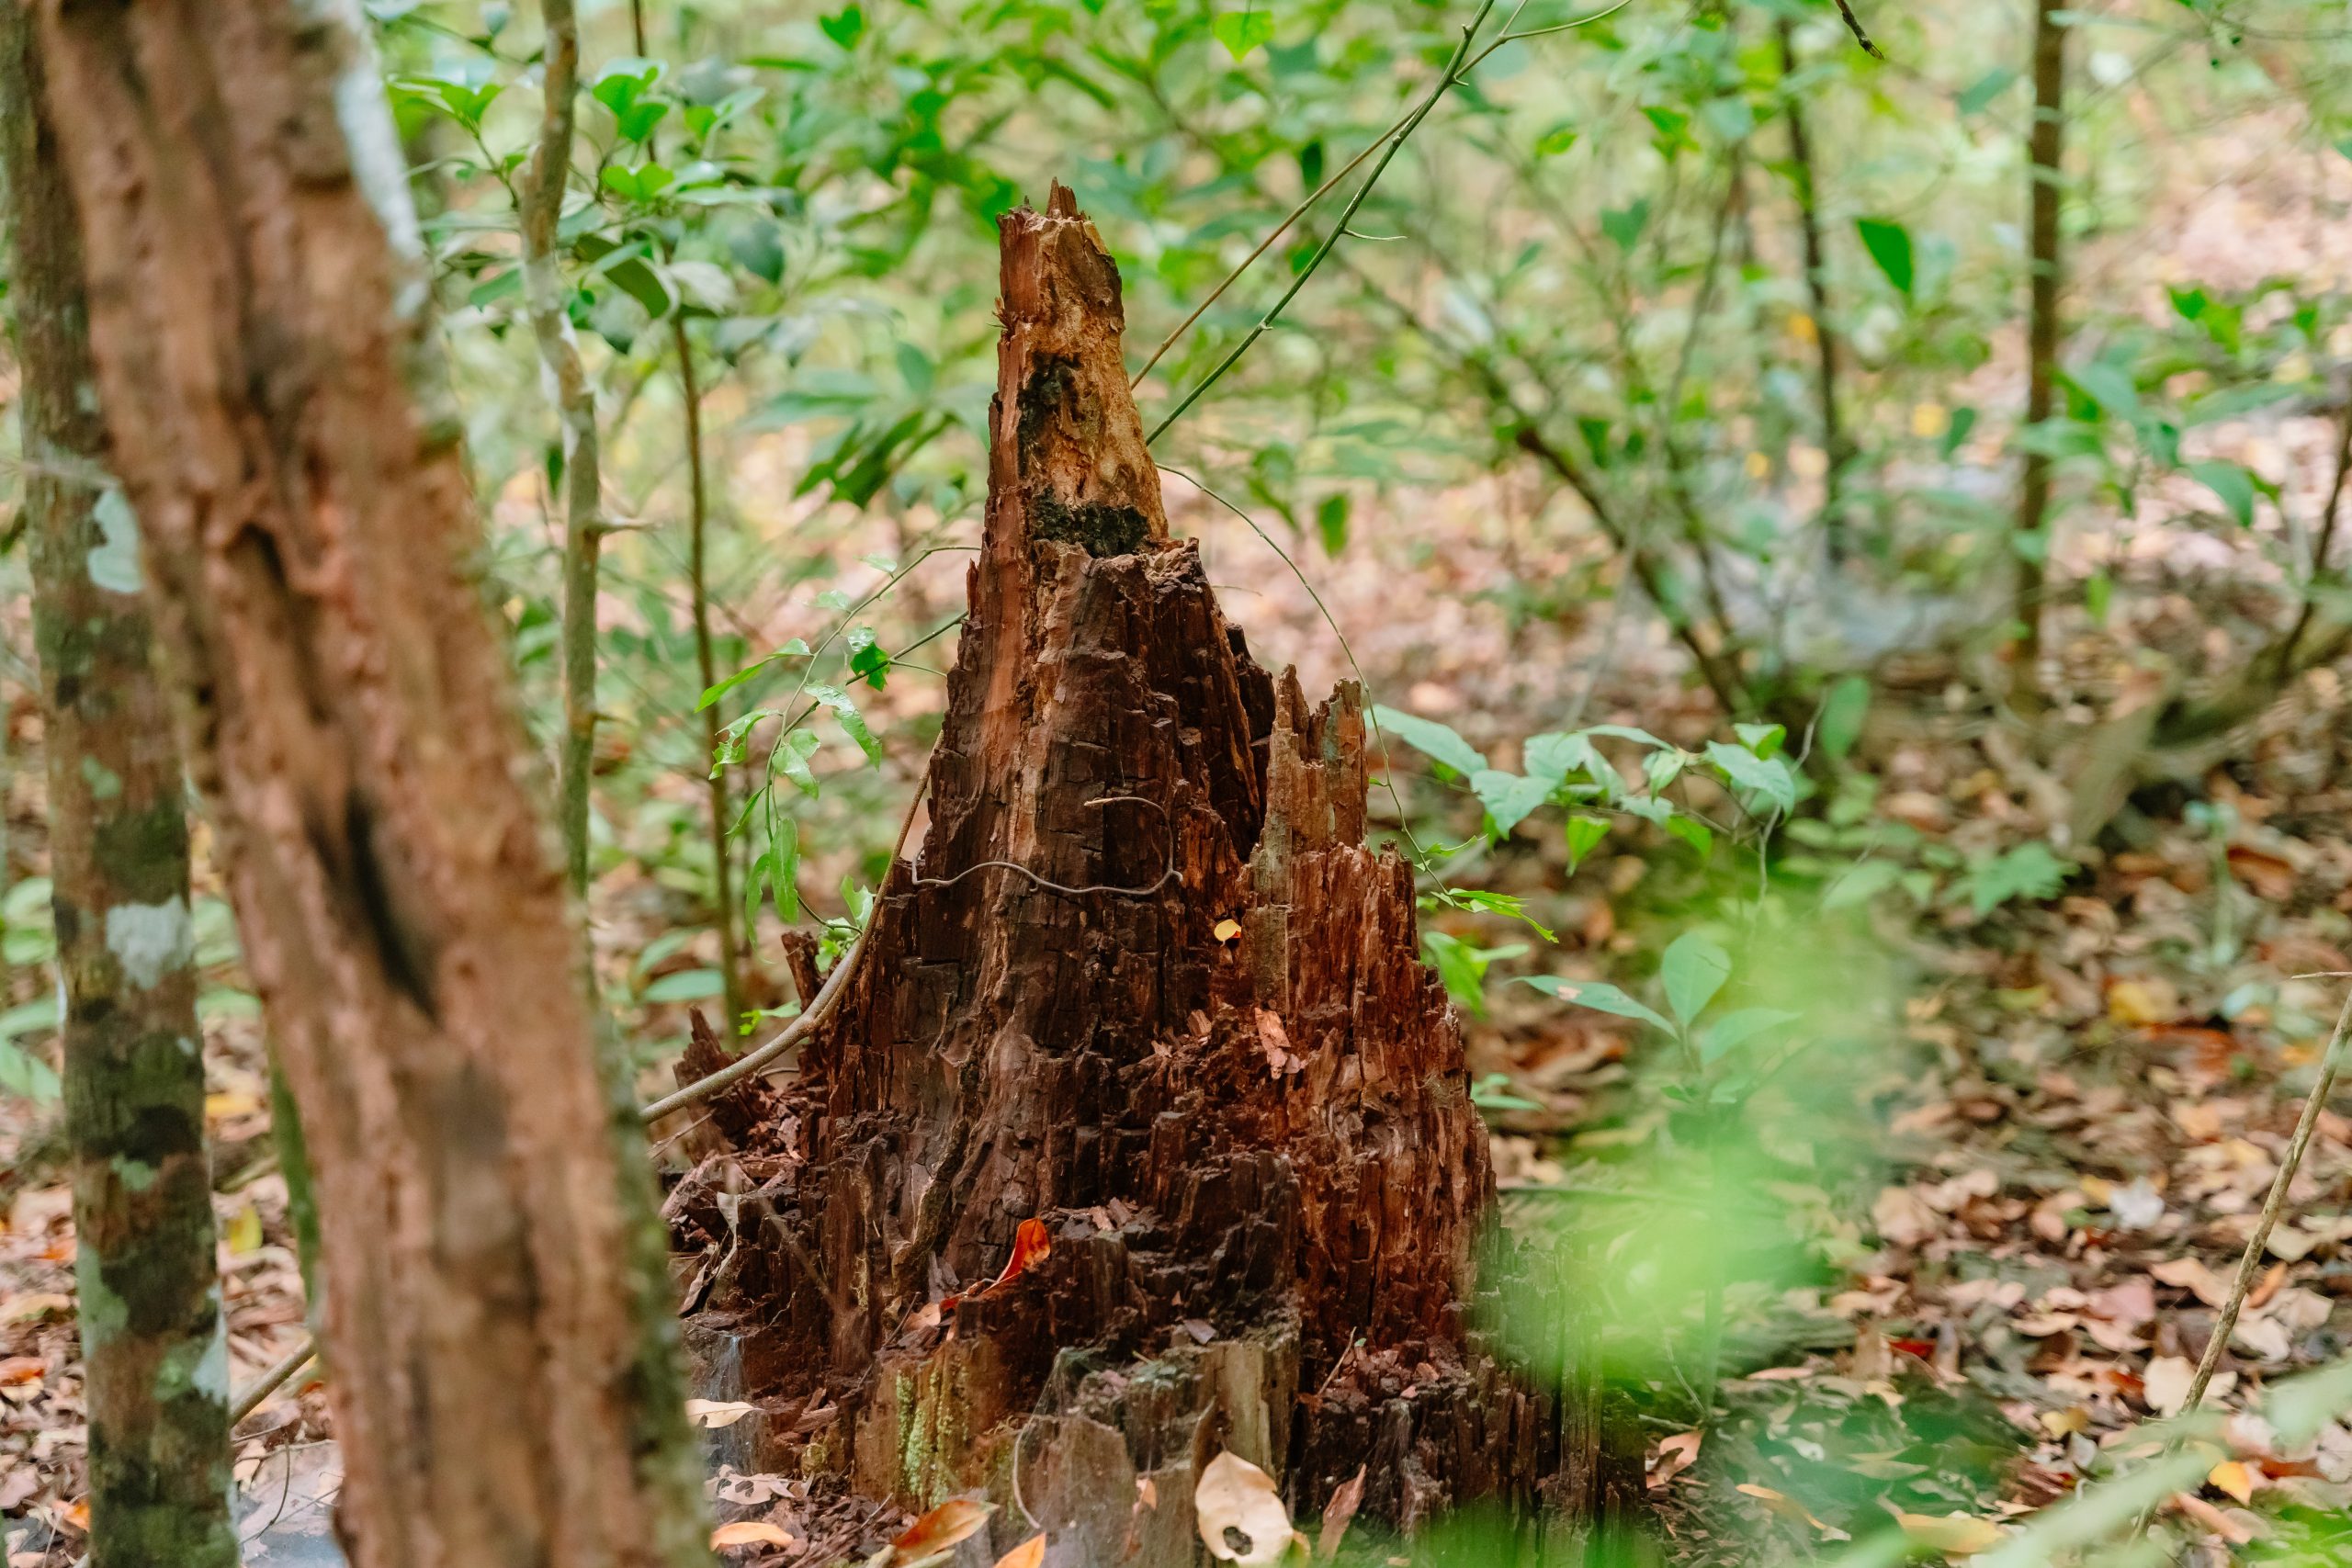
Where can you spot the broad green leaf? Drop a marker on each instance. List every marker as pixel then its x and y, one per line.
pixel 1584 832
pixel 1331 520
pixel 1862 883
pixel 2232 483
pixel 844 27
pixel 2107 387
pixel 26 1075
pixel 687 986
pixel 1597 994
pixel 1494 1092
pixel 1661 769
pixel 1889 243
pixel 1554 755
pixel 1627 732
pixel 1242 32
pixel 792 754
pixel 852 722
pixel 1509 797
pixel 1693 970
pixel 1764 739
pixel 1735 1029
pixel 792 650
pixel 1432 738
pixel 1842 711
pixel 1623 225
pixel 1746 771
pixel 1691 831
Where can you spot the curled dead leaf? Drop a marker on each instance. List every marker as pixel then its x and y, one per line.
pixel 1030 1553
pixel 1954 1535
pixel 715 1413
pixel 1675 1455
pixel 1787 1507
pixel 748 1532
pixel 1337 1514
pixel 2234 1477
pixel 1240 1515
pixel 935 1534
pixel 1228 930
pixel 1032 1244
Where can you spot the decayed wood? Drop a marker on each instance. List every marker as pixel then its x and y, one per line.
pixel 1253 1143
pixel 496 1313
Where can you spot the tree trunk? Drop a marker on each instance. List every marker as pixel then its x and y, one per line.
pixel 154 1350
pixel 2045 148
pixel 1144 985
pixel 503 1384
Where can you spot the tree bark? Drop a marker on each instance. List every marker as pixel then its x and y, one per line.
pixel 2045 149
pixel 1145 987
pixel 154 1349
pixel 496 1317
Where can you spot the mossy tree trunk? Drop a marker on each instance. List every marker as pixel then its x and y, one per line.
pixel 155 1356
pixel 1145 987
pixel 498 1327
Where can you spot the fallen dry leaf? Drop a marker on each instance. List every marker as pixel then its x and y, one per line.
pixel 1240 1515
pixel 1675 1455
pixel 1228 930
pixel 2193 1275
pixel 748 1532
pixel 2234 1477
pixel 942 1530
pixel 2140 1003
pixel 1030 1553
pixel 1274 1041
pixel 1789 1508
pixel 1032 1244
pixel 37 1303
pixel 716 1414
pixel 1337 1514
pixel 21 1369
pixel 1954 1535
pixel 2210 1517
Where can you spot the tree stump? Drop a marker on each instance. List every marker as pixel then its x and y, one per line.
pixel 1146 986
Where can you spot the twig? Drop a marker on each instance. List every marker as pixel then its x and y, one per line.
pixel 1454 73
pixel 1854 26
pixel 249 1399
pixel 2330 1063
pixel 828 998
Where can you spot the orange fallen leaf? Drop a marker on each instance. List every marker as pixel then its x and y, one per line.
pixel 1032 1244
pixel 1030 1553
pixel 38 1303
pixel 77 1514
pixel 1954 1535
pixel 2268 1287
pixel 1226 930
pixel 1675 1455
pixel 934 1535
pixel 748 1532
pixel 2207 1516
pixel 21 1369
pixel 2233 1477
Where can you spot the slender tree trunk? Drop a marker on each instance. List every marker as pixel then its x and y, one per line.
pixel 1836 446
pixel 545 294
pixel 2045 148
pixel 154 1348
pixel 1146 995
pixel 705 662
pixel 497 1321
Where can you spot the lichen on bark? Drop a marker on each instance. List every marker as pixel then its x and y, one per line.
pixel 155 1376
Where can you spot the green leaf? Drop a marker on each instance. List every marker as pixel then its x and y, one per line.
pixel 1889 243
pixel 1509 797
pixel 1735 1029
pixel 2107 387
pixel 1842 711
pixel 1556 141
pixel 1661 769
pixel 1764 739
pixel 1461 968
pixel 687 986
pixel 1860 884
pixel 866 658
pixel 1623 225
pixel 26 1075
pixel 792 650
pixel 1242 32
pixel 1556 754
pixel 1981 92
pixel 1691 831
pixel 1493 1092
pixel 1627 732
pixel 1432 739
pixel 1693 970
pixel 844 27
pixel 792 754
pixel 2028 871
pixel 1584 832
pixel 1331 520
pixel 852 722
pixel 2098 593
pixel 1746 771
pixel 2232 483
pixel 35 1017
pixel 1597 994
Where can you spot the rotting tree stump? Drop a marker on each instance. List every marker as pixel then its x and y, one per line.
pixel 1145 985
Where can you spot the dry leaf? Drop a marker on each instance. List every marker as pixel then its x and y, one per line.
pixel 1030 1553
pixel 939 1531
pixel 2066 1422
pixel 2191 1274
pixel 748 1532
pixel 1337 1514
pixel 1675 1455
pixel 1226 930
pixel 1240 1515
pixel 1789 1508
pixel 2234 1477
pixel 1147 1493
pixel 2140 1003
pixel 2266 1287
pixel 715 1413
pixel 1274 1041
pixel 37 1303
pixel 1955 1535
pixel 21 1369
pixel 2210 1517
pixel 242 1234
pixel 2164 1385
pixel 1032 1244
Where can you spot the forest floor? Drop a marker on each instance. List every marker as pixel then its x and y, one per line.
pixel 2006 1190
